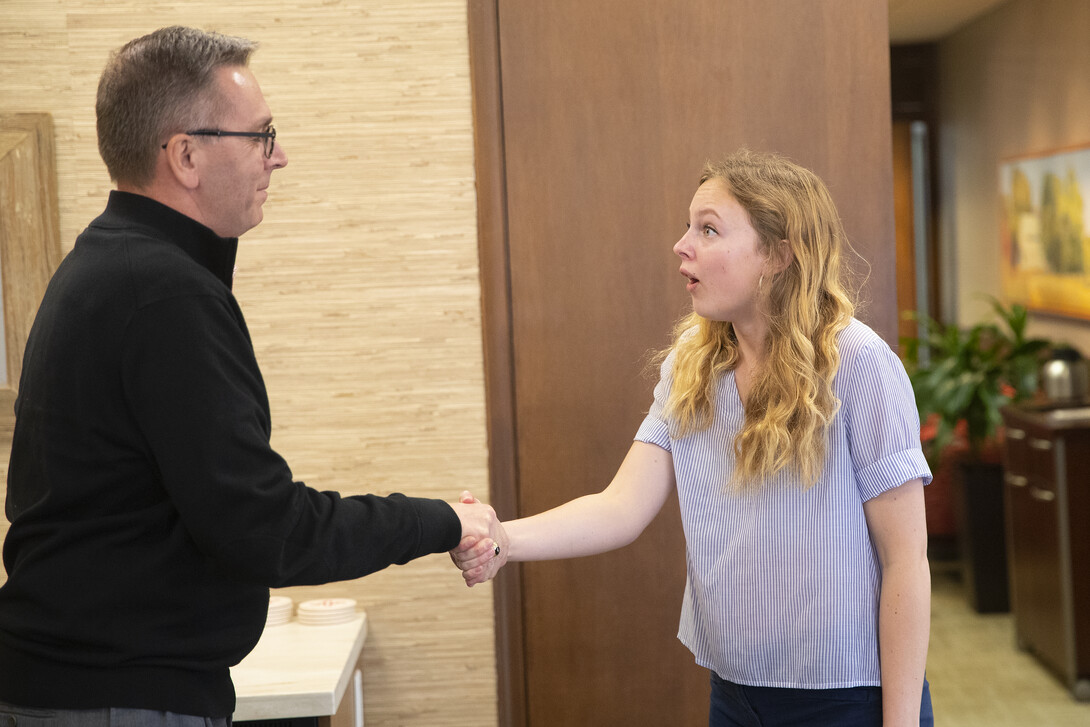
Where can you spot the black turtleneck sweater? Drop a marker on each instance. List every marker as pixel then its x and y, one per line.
pixel 149 513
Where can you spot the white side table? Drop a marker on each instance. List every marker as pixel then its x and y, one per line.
pixel 304 671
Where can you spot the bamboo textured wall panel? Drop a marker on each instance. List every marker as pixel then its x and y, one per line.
pixel 360 287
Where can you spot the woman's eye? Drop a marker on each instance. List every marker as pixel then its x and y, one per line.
pixel 708 230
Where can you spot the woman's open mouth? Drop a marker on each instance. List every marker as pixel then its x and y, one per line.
pixel 692 280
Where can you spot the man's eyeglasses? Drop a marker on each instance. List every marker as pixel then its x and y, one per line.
pixel 267 137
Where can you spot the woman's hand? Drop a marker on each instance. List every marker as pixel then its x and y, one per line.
pixel 478 556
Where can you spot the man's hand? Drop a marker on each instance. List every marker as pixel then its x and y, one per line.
pixel 483 548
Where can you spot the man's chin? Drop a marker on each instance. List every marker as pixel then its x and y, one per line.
pixel 257 217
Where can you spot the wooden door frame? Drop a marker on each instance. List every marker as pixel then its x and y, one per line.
pixel 498 342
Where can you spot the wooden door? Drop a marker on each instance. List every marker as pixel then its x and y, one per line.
pixel 593 120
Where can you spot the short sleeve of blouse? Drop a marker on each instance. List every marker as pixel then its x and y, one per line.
pixel 880 416
pixel 655 429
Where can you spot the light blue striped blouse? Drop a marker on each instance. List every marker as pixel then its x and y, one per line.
pixel 782 586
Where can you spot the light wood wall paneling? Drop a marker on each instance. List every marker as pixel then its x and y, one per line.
pixel 361 287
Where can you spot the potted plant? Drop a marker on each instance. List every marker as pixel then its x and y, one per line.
pixel 962 378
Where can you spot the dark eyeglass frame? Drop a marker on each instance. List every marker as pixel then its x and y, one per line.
pixel 269 137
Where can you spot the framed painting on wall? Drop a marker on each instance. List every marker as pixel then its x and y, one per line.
pixel 1044 241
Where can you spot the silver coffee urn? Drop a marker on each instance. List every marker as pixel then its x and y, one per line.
pixel 1064 377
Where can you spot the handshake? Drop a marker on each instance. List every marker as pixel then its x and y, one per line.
pixel 483 549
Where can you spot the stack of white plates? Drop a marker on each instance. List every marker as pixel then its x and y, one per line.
pixel 279 610
pixel 327 611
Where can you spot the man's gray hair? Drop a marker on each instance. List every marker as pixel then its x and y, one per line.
pixel 157 85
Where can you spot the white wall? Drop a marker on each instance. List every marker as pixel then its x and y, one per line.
pixel 1013 82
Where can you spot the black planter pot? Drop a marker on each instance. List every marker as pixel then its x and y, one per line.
pixel 982 536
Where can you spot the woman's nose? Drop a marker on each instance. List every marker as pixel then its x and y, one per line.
pixel 682 248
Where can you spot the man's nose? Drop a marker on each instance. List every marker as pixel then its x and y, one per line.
pixel 279 158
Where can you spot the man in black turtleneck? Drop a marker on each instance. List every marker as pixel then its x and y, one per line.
pixel 149 513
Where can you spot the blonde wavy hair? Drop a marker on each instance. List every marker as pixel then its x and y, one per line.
pixel 791 403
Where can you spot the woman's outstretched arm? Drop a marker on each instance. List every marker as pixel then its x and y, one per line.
pixel 586 525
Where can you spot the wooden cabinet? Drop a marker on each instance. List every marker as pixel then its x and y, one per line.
pixel 1047 494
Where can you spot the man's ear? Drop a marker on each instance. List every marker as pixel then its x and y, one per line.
pixel 182 160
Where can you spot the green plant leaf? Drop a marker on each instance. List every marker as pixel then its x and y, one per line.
pixel 973 373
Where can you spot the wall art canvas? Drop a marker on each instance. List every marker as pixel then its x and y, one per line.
pixel 1044 240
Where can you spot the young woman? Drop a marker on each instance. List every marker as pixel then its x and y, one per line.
pixel 790 431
